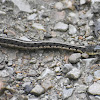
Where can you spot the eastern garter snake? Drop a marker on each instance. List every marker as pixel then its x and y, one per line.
pixel 17 43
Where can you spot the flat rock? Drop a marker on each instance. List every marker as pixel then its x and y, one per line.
pixel 46 73
pixel 59 6
pixel 97 74
pixel 4 73
pixel 67 93
pixel 19 76
pixel 72 29
pixel 32 73
pixel 33 60
pixel 2 13
pixel 2 67
pixel 82 2
pixel 24 38
pixel 94 89
pixel 74 58
pixel 74 73
pixel 81 88
pixel 32 17
pixel 66 68
pixel 38 26
pixel 89 61
pixel 46 84
pixel 60 26
pixel 37 90
pixel 23 5
pixel 28 88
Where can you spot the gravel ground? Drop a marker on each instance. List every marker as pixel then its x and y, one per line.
pixel 50 74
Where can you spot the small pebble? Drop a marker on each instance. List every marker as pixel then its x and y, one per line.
pixel 74 58
pixel 37 90
pixel 60 26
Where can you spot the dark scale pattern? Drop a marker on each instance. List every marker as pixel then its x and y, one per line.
pixel 32 45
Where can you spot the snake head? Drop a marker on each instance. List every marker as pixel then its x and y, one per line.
pixel 93 50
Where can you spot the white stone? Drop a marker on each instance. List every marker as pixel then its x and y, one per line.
pixel 23 5
pixel 67 93
pixel 24 38
pixel 94 89
pixel 59 5
pixel 93 1
pixel 38 26
pixel 74 58
pixel 46 72
pixel 82 2
pixel 57 69
pixel 89 61
pixel 73 17
pixel 74 73
pixel 3 1
pixel 72 29
pixel 32 17
pixel 37 90
pixel 2 13
pixel 60 26
pixel 97 74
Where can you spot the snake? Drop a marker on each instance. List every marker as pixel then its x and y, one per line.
pixel 31 45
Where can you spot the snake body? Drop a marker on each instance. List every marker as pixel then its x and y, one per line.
pixel 29 45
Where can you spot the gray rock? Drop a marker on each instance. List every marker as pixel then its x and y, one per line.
pixel 66 68
pixel 97 74
pixel 10 63
pixel 20 28
pixel 28 88
pixel 48 58
pixel 89 61
pixel 10 70
pixel 73 17
pixel 32 73
pixel 1 57
pixel 32 17
pixel 33 99
pixel 2 13
pixel 82 2
pixel 74 58
pixel 94 89
pixel 33 60
pixel 88 79
pixel 46 72
pixel 24 38
pixel 67 93
pixel 12 55
pixel 19 76
pixel 4 73
pixel 37 90
pixel 72 29
pixel 46 84
pixel 89 38
pixel 81 89
pixel 95 6
pixel 26 83
pixel 57 69
pixel 59 6
pixel 2 67
pixel 92 97
pixel 60 26
pixel 74 73
pixel 22 5
pixel 38 26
